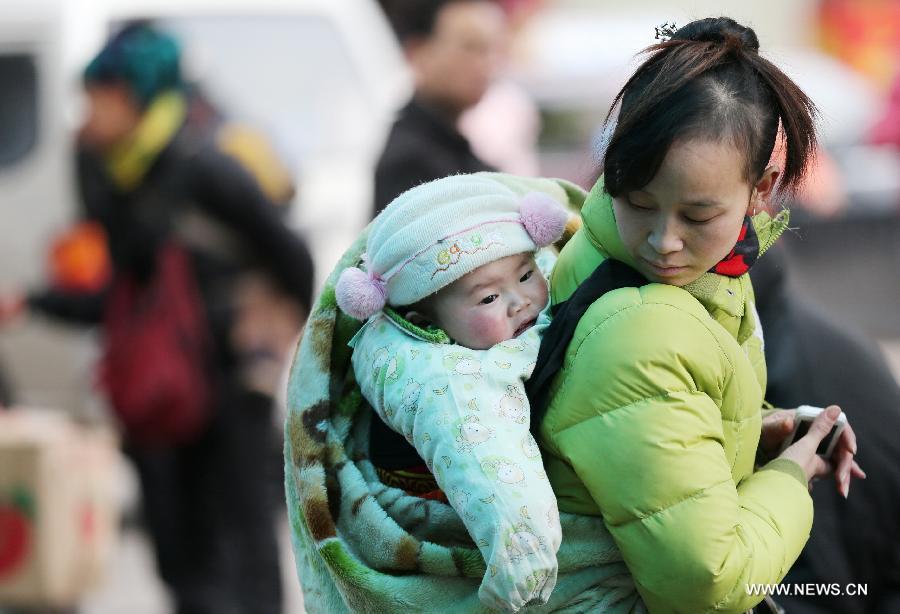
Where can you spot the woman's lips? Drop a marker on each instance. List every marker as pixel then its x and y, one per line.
pixel 665 270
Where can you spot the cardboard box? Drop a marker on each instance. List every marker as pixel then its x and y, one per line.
pixel 57 507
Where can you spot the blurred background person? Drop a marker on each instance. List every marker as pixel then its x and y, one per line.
pixel 504 127
pixel 816 347
pixel 454 48
pixel 150 179
pixel 265 318
pixel 816 360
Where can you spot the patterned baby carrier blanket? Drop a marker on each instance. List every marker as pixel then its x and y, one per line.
pixel 362 546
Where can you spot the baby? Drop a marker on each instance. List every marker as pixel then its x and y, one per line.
pixel 455 307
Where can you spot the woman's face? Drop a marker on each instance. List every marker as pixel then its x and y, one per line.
pixel 689 216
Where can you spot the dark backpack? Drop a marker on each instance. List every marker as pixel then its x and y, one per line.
pixel 155 364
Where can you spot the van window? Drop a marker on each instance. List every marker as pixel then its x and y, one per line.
pixel 18 107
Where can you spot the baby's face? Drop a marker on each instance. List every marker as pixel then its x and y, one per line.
pixel 493 303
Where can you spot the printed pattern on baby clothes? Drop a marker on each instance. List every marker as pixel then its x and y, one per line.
pixel 466 414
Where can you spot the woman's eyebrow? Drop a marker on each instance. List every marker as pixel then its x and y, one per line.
pixel 700 202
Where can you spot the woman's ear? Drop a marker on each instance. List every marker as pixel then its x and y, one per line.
pixel 762 190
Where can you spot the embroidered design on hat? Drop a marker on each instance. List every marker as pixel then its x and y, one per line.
pixel 474 243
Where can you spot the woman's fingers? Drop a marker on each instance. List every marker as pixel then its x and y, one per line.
pixel 848 437
pixel 820 466
pixel 846 466
pixel 842 463
pixel 855 471
pixel 821 427
pixel 843 459
pixel 803 452
pixel 775 427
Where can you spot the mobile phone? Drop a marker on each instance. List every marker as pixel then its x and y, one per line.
pixel 803 419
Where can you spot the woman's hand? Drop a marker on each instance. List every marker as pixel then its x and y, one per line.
pixel 803 452
pixel 845 467
pixel 775 428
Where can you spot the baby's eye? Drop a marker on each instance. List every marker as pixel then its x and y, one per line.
pixel 489 299
pixel 527 276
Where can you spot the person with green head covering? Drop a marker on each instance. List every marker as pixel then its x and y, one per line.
pixel 151 179
pixel 145 60
pixel 135 100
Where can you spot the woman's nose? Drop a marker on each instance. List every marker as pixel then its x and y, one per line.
pixel 664 237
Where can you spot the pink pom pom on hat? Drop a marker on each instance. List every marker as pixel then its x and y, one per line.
pixel 437 232
pixel 359 294
pixel 543 217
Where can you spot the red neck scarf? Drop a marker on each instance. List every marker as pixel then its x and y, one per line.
pixel 743 255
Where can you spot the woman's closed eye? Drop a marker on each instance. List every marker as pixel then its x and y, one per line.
pixel 636 206
pixel 691 220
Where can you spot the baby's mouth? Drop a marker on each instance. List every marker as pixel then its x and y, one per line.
pixel 525 327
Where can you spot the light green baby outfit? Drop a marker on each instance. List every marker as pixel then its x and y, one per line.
pixel 466 414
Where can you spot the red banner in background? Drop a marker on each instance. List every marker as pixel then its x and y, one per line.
pixel 863 33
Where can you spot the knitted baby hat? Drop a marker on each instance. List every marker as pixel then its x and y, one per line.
pixel 433 234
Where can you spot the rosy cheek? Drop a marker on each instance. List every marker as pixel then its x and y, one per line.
pixel 487 327
pixel 543 293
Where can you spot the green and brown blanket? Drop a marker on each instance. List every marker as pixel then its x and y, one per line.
pixel 362 546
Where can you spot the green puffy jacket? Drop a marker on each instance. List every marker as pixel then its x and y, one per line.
pixel 654 425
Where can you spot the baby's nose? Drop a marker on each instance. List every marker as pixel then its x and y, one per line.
pixel 519 303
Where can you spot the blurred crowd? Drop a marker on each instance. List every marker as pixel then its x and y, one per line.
pixel 185 254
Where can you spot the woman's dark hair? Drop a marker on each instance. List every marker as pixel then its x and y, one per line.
pixel 708 81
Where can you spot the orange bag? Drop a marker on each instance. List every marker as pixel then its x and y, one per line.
pixel 79 259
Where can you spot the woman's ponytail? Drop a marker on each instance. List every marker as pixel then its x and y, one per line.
pixel 797 115
pixel 708 81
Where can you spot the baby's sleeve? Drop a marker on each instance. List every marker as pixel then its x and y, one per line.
pixel 466 414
